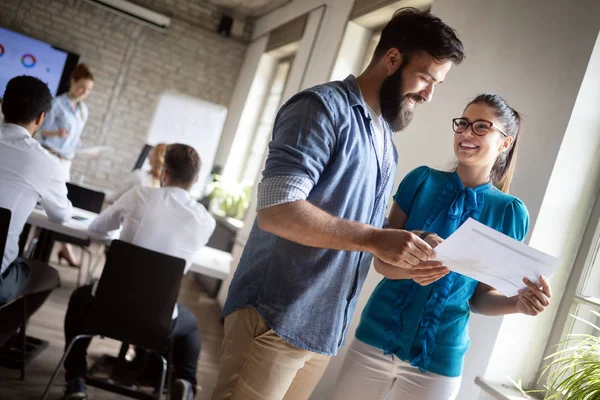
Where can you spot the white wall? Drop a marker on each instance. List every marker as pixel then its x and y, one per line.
pixel 523 50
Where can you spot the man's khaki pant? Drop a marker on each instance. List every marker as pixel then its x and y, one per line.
pixel 259 365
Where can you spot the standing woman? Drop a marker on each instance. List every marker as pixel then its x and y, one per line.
pixel 61 131
pixel 413 333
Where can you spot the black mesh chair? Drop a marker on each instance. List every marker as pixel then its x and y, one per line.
pixel 20 349
pixel 133 304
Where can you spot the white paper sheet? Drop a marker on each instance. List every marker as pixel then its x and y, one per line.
pixel 486 255
pixel 90 151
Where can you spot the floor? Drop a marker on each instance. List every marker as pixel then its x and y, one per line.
pixel 47 324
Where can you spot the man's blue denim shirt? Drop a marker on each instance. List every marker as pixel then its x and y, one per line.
pixel 307 295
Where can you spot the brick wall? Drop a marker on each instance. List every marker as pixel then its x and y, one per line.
pixel 133 65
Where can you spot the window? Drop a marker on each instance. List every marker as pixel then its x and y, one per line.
pixel 262 135
pixel 582 294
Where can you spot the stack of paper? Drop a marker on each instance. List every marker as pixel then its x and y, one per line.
pixel 486 255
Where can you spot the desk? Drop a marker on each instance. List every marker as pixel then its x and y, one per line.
pixel 208 261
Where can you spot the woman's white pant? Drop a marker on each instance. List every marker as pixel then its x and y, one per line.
pixel 368 374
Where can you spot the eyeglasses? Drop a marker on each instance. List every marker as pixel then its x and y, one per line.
pixel 480 127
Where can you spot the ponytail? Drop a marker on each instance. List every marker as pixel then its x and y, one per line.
pixel 157 161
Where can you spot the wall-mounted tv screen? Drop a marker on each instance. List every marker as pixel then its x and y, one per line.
pixel 22 55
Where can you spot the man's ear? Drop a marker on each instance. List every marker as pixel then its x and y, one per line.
pixel 40 119
pixel 196 178
pixel 163 176
pixel 393 60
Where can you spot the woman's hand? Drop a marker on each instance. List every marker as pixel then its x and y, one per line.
pixel 433 240
pixel 534 299
pixel 423 273
pixel 61 133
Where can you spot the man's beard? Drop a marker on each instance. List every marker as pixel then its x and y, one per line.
pixel 396 109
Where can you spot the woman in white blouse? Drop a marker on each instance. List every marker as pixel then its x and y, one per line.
pixel 143 178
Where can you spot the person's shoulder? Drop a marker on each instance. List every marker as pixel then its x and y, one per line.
pixel 506 200
pixel 425 173
pixel 331 95
pixel 335 92
pixel 516 207
pixel 84 108
pixel 202 213
pixel 144 193
pixel 511 210
pixel 39 152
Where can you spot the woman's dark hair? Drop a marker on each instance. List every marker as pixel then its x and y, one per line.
pixel 411 30
pixel 25 98
pixel 504 167
pixel 182 163
pixel 82 71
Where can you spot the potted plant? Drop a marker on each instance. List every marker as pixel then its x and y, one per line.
pixel 573 372
pixel 229 198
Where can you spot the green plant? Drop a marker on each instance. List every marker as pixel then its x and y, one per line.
pixel 574 371
pixel 229 198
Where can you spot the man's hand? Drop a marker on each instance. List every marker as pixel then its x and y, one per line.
pixel 424 273
pixel 400 248
pixel 533 299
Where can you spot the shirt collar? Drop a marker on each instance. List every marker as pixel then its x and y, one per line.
pixel 481 188
pixel 64 98
pixel 356 97
pixel 178 193
pixel 14 131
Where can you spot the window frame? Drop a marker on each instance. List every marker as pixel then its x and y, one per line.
pixel 587 255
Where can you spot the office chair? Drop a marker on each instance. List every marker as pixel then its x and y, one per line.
pixel 133 304
pixel 16 355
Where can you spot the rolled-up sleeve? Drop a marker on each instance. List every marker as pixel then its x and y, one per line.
pixel 304 140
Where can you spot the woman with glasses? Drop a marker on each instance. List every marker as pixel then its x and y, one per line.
pixel 413 333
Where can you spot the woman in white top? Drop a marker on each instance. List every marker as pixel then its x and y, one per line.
pixel 142 178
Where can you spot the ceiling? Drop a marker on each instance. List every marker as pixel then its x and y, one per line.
pixel 253 8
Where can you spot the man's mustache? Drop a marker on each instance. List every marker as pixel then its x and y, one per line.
pixel 417 98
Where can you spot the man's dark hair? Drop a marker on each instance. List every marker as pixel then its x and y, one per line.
pixel 25 98
pixel 411 30
pixel 182 163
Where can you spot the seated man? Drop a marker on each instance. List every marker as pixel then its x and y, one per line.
pixel 166 220
pixel 28 174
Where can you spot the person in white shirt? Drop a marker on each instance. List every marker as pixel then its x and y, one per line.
pixel 28 174
pixel 142 178
pixel 167 220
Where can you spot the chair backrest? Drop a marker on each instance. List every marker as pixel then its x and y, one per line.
pixel 5 215
pixel 139 163
pixel 84 198
pixel 136 295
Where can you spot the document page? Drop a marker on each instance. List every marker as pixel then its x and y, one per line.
pixel 90 151
pixel 486 255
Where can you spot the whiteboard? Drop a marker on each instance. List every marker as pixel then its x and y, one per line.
pixel 198 123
